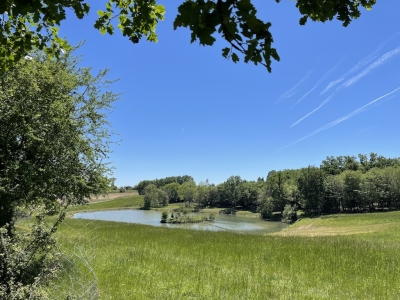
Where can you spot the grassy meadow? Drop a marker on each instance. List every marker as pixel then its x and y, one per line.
pixel 124 202
pixel 330 257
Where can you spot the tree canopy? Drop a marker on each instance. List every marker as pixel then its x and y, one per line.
pixel 341 184
pixel 27 25
pixel 54 150
pixel 51 155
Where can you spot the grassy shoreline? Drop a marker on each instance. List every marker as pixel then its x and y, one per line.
pixel 304 261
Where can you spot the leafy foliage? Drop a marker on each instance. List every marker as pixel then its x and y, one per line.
pixel 154 197
pixel 54 140
pixel 236 21
pixel 28 261
pixel 311 189
pixel 188 192
pixel 33 24
pixel 289 214
pixel 160 183
pixel 54 134
pixel 29 25
pixel 323 11
pixel 341 184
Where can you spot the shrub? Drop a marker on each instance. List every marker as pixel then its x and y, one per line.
pixel 164 216
pixel 289 214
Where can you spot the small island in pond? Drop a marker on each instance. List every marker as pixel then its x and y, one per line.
pixel 180 216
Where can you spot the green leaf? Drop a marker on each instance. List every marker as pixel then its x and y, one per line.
pixel 206 39
pixel 225 52
pixel 235 58
pixel 303 20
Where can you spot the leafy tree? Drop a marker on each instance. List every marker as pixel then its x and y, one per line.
pixel 164 216
pixel 278 189
pixel 311 189
pixel 213 196
pixel 289 214
pixel 154 197
pixel 188 192
pixel 395 186
pixel 54 140
pixel 265 205
pixel 270 173
pixel 386 186
pixel 141 186
pixel 364 164
pixel 370 188
pixel 332 165
pixel 150 197
pixel 202 196
pixel 172 189
pixel 335 165
pixel 352 196
pixel 334 189
pixel 380 188
pixel 249 194
pixel 233 190
pixel 159 183
pixel 33 24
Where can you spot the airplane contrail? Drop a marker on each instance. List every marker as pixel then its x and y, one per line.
pixel 289 93
pixel 372 66
pixel 339 120
pixel 318 83
pixel 360 64
pixel 310 113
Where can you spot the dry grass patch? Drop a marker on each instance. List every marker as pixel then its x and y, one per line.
pixel 344 225
pixel 112 196
pixel 312 231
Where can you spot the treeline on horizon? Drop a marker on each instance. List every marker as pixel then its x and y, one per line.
pixel 340 184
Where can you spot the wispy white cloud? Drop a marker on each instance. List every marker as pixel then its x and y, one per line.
pixel 292 91
pixel 360 64
pixel 313 111
pixel 341 119
pixel 377 63
pixel 305 95
pixel 318 83
pixel 333 83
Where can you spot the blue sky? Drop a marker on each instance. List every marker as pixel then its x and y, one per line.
pixel 185 110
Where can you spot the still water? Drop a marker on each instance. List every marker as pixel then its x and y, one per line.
pixel 153 217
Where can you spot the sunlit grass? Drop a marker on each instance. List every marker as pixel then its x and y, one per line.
pixel 143 262
pixel 119 203
pixel 383 226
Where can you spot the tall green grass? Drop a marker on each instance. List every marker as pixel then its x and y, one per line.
pixel 143 262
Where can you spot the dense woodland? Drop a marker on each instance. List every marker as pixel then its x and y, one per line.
pixel 340 184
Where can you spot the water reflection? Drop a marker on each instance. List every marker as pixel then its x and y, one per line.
pixel 153 217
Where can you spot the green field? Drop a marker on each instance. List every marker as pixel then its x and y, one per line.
pixel 331 257
pixel 125 202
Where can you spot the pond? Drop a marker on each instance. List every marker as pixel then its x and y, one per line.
pixel 221 223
